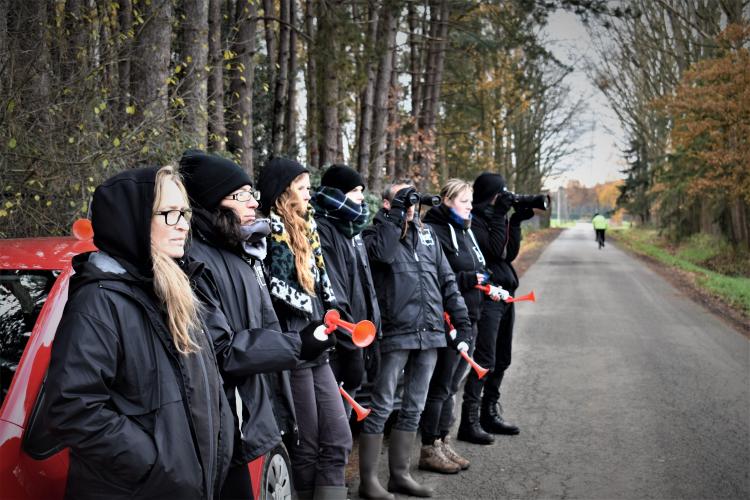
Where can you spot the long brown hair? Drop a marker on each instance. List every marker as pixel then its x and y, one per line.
pixel 293 213
pixel 171 284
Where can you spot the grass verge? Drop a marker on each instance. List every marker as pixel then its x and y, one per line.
pixel 696 257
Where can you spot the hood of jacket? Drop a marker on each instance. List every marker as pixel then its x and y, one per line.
pixel 121 213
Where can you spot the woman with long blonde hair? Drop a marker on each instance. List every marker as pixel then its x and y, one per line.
pixel 130 346
pixel 301 292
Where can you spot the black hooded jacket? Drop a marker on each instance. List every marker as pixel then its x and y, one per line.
pixel 499 241
pixel 250 347
pixel 141 419
pixel 464 256
pixel 415 285
pixel 349 270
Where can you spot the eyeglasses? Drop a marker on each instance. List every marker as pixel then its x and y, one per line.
pixel 172 217
pixel 243 196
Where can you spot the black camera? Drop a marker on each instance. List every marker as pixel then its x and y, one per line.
pixel 540 201
pixel 415 198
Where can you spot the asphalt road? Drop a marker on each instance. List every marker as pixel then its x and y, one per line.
pixel 622 386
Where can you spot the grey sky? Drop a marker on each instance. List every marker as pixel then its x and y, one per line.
pixel 599 159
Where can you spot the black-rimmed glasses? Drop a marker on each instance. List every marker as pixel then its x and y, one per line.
pixel 172 217
pixel 244 196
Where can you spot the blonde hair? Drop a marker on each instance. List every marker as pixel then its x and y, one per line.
pixel 454 187
pixel 171 284
pixel 293 213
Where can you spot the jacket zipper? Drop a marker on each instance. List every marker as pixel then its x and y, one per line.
pixel 212 452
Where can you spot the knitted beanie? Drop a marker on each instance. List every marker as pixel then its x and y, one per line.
pixel 274 178
pixel 209 178
pixel 486 186
pixel 342 177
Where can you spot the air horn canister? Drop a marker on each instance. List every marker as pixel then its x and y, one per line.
pixel 528 297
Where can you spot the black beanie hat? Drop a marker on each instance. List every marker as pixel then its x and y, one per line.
pixel 209 178
pixel 275 177
pixel 486 186
pixel 342 177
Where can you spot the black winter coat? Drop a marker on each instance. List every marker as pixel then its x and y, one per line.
pixel 415 285
pixel 141 419
pixel 251 349
pixel 349 271
pixel 499 242
pixel 463 254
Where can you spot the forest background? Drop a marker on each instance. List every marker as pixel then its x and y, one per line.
pixel 427 89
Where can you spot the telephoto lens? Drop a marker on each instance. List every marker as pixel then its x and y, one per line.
pixel 430 200
pixel 540 201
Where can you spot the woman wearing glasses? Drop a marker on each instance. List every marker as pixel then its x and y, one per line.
pixel 301 292
pixel 252 352
pixel 129 347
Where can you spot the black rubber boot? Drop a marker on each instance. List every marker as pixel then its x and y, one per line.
pixel 469 429
pixel 492 420
pixel 399 462
pixel 369 456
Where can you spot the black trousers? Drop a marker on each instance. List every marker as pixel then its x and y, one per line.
pixel 493 351
pixel 600 234
pixel 437 417
pixel 237 485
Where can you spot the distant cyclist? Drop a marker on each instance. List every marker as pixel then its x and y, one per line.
pixel 600 226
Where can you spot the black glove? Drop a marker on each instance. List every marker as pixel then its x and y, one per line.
pixel 503 202
pixel 520 215
pixel 311 346
pixel 400 204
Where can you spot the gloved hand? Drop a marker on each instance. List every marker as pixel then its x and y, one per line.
pixel 459 343
pixel 312 346
pixel 520 215
pixel 498 293
pixel 503 201
pixel 400 204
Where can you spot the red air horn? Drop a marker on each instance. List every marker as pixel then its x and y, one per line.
pixel 529 296
pixel 360 410
pixel 481 372
pixel 363 333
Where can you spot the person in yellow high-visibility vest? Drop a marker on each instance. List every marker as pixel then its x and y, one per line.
pixel 600 226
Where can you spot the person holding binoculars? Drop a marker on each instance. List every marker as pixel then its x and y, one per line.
pixel 415 285
pixel 499 238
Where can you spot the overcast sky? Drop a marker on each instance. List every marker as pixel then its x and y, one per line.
pixel 600 159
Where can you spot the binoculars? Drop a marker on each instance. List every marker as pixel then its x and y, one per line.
pixel 416 198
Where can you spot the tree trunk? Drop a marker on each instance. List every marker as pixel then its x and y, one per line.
pixel 150 62
pixel 269 13
pixel 366 96
pixel 241 85
pixel 392 129
pixel 4 48
pixel 329 83
pixel 290 121
pixel 280 93
pixel 124 54
pixel 386 42
pixel 195 59
pixel 215 96
pixel 311 88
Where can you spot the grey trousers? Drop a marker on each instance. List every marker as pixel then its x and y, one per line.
pixel 417 366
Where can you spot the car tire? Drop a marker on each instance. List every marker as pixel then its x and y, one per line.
pixel 276 479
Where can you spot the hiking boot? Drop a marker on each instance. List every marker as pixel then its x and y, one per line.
pixel 452 455
pixel 432 458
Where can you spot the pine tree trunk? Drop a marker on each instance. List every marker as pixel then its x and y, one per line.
pixel 392 146
pixel 150 62
pixel 195 59
pixel 215 96
pixel 366 97
pixel 280 92
pixel 124 54
pixel 386 42
pixel 269 13
pixel 240 123
pixel 311 87
pixel 290 121
pixel 329 83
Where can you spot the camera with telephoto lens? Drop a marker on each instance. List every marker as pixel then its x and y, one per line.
pixel 540 201
pixel 415 198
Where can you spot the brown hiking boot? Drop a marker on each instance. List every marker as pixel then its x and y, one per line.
pixel 451 454
pixel 432 458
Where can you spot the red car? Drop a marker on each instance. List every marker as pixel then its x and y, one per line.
pixel 34 275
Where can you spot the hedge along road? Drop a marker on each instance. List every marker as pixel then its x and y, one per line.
pixel 622 386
